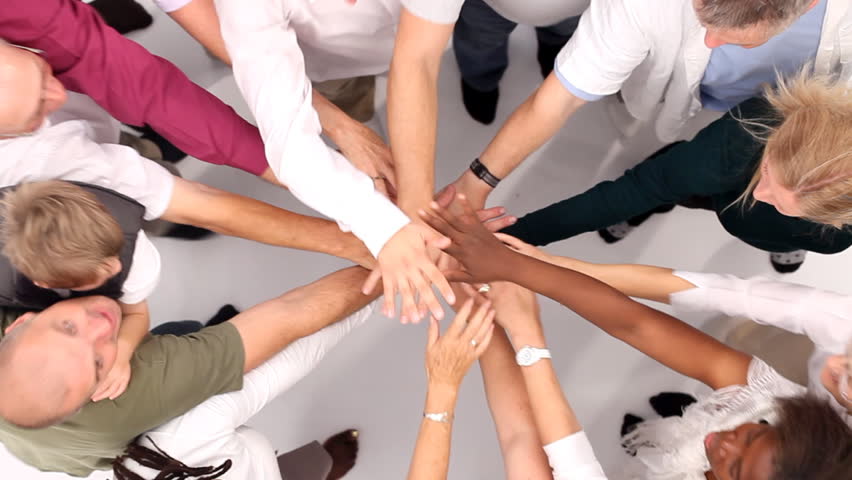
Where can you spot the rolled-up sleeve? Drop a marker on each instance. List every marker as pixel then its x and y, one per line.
pixel 572 458
pixel 270 72
pixel 133 85
pixel 607 46
pixel 824 316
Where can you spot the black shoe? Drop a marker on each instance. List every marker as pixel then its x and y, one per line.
pixel 787 262
pixel 482 106
pixel 547 57
pixel 224 314
pixel 615 233
pixel 171 153
pixel 124 16
pixel 343 449
pixel 671 404
pixel 187 232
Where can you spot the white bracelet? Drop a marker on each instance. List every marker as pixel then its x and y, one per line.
pixel 441 417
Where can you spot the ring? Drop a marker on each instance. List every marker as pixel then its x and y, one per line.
pixel 380 177
pixel 473 343
pixel 485 288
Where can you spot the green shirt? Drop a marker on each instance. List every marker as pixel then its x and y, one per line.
pixel 170 375
pixel 716 165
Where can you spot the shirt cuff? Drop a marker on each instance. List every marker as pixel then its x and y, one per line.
pixel 573 457
pixel 581 94
pixel 378 221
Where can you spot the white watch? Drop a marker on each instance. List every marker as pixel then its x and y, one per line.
pixel 528 355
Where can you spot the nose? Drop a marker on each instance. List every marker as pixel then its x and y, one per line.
pixel 99 329
pixel 762 193
pixel 713 40
pixel 55 95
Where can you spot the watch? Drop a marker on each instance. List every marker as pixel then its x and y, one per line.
pixel 528 355
pixel 482 173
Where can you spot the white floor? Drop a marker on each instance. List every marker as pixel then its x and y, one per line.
pixel 375 380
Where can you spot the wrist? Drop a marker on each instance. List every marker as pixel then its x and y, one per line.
pixel 441 397
pixel 530 335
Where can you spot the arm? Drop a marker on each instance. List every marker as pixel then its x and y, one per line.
pixel 135 323
pixel 567 448
pixel 129 82
pixel 413 106
pixel 654 333
pixel 199 19
pixel 448 359
pixel 231 214
pixel 509 402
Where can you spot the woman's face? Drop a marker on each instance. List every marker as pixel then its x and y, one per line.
pixel 744 453
pixel 770 190
pixel 833 371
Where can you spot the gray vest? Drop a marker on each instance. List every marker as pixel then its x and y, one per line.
pixel 18 291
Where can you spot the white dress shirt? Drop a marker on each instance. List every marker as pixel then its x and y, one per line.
pixel 539 13
pixel 213 431
pixel 265 40
pixel 823 316
pixel 654 53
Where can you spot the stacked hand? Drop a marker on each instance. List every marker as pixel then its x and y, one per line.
pixel 115 382
pixel 449 356
pixel 517 308
pixel 370 154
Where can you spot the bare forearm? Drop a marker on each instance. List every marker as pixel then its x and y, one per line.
pixel 269 327
pixel 135 323
pixel 334 121
pixel 432 452
pixel 530 126
pixel 200 20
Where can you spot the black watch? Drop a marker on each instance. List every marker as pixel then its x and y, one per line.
pixel 482 173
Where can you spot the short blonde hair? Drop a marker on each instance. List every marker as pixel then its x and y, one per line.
pixel 57 233
pixel 810 146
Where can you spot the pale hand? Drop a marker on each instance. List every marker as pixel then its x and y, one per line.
pixel 370 154
pixel 115 382
pixel 517 308
pixel 449 356
pixel 406 268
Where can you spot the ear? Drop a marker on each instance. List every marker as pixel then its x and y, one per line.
pixel 19 321
pixel 112 266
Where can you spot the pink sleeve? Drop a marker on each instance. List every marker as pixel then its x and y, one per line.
pixel 132 84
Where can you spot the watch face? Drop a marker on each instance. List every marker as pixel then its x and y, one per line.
pixel 525 356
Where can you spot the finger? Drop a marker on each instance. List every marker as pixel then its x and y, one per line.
pixel 469 290
pixel 458 276
pixel 408 307
pixel 438 223
pixel 445 196
pixel 466 209
pixel 372 281
pixel 484 326
pixel 448 217
pixel 500 223
pixel 380 186
pixel 513 242
pixel 427 296
pixel 437 278
pixel 483 346
pixel 461 319
pixel 434 333
pixel 475 321
pixel 489 213
pixel 101 391
pixel 386 170
pixel 390 297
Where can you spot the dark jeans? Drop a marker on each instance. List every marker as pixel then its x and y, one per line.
pixel 481 42
pixel 183 327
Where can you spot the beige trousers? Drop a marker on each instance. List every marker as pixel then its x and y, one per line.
pixel 355 96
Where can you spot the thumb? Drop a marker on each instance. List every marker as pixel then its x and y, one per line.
pixel 440 242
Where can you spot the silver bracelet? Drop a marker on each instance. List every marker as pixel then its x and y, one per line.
pixel 441 417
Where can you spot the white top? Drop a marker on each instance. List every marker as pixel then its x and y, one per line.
pixel 824 316
pixel 656 53
pixel 265 41
pixel 572 458
pixel 66 148
pixel 169 6
pixel 530 12
pixel 213 431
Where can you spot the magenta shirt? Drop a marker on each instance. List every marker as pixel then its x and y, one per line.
pixel 133 85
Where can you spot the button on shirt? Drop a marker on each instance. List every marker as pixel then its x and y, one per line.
pixel 736 74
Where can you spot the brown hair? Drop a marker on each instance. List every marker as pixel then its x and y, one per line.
pixel 775 15
pixel 810 147
pixel 56 233
pixel 814 443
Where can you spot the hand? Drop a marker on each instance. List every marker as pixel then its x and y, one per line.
pixel 517 308
pixel 405 267
pixel 521 246
pixel 471 187
pixel 370 154
pixel 115 382
pixel 482 255
pixel 449 357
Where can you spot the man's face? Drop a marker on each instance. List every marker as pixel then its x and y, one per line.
pixel 75 340
pixel 28 91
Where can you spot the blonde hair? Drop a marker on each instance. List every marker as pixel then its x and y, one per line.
pixel 774 15
pixel 58 234
pixel 810 146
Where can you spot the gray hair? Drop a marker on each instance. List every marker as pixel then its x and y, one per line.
pixel 736 14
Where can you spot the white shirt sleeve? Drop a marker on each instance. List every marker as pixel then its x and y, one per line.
pixel 572 458
pixel 270 71
pixel 607 46
pixel 169 6
pixel 435 11
pixel 824 316
pixel 144 273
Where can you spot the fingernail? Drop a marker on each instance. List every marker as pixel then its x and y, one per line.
pixel 512 221
pixel 434 204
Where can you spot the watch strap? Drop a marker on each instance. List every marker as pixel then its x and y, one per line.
pixel 482 173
